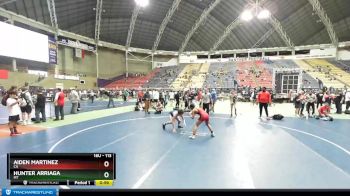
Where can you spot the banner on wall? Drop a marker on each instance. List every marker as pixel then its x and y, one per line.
pixel 4 74
pixel 60 85
pixel 78 53
pixel 162 64
pixel 65 77
pixel 52 51
pixel 76 44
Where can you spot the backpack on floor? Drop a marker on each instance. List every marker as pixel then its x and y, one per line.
pixel 277 117
pixel 4 100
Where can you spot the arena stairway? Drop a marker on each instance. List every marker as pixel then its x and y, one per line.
pixel 311 70
pixel 197 80
pixel 338 69
pixel 334 71
pixel 184 78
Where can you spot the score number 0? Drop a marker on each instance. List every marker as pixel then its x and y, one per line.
pixel 106 164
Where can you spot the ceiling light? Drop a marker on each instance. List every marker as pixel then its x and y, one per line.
pixel 247 15
pixel 142 3
pixel 264 14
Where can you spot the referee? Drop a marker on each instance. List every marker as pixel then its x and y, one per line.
pixel 264 98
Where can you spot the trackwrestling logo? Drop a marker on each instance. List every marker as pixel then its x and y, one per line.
pixel 29 192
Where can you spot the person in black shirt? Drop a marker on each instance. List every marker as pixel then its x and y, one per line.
pixel 177 99
pixel 110 99
pixel 319 96
pixel 40 107
pixel 338 100
pixel 161 97
pixel 320 83
pixel 297 104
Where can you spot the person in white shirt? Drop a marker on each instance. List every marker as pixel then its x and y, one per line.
pixel 14 111
pixel 120 93
pixel 206 101
pixel 92 96
pixel 347 99
pixel 156 96
pixel 310 102
pixel 151 93
pixel 171 98
pixel 26 106
pixel 74 98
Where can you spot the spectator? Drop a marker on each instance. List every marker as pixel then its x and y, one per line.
pixel 147 100
pixel 214 98
pixel 26 106
pixel 338 100
pixel 156 96
pixel 206 101
pixel 177 99
pixel 126 95
pixel 159 107
pixel 319 96
pixel 347 99
pixel 59 104
pixel 140 96
pixel 14 112
pixel 74 98
pixel 110 98
pixel 40 107
pixel 310 103
pixel 92 96
pixel 302 99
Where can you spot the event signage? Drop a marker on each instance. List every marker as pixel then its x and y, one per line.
pixel 52 51
pixel 29 192
pixel 65 77
pixel 76 44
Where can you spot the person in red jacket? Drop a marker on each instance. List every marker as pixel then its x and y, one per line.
pixel 264 99
pixel 140 96
pixel 59 104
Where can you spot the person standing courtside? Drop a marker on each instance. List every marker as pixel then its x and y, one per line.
pixel 319 96
pixel 347 99
pixel 338 100
pixel 233 101
pixel 74 98
pixel 92 96
pixel 27 106
pixel 14 111
pixel 147 100
pixel 40 107
pixel 302 98
pixel 264 99
pixel 214 98
pixel 177 100
pixel 59 104
pixel 110 99
pixel 310 103
pixel 206 99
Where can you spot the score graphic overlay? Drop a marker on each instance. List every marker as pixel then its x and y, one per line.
pixel 87 169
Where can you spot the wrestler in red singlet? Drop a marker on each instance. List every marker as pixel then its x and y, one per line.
pixel 204 117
